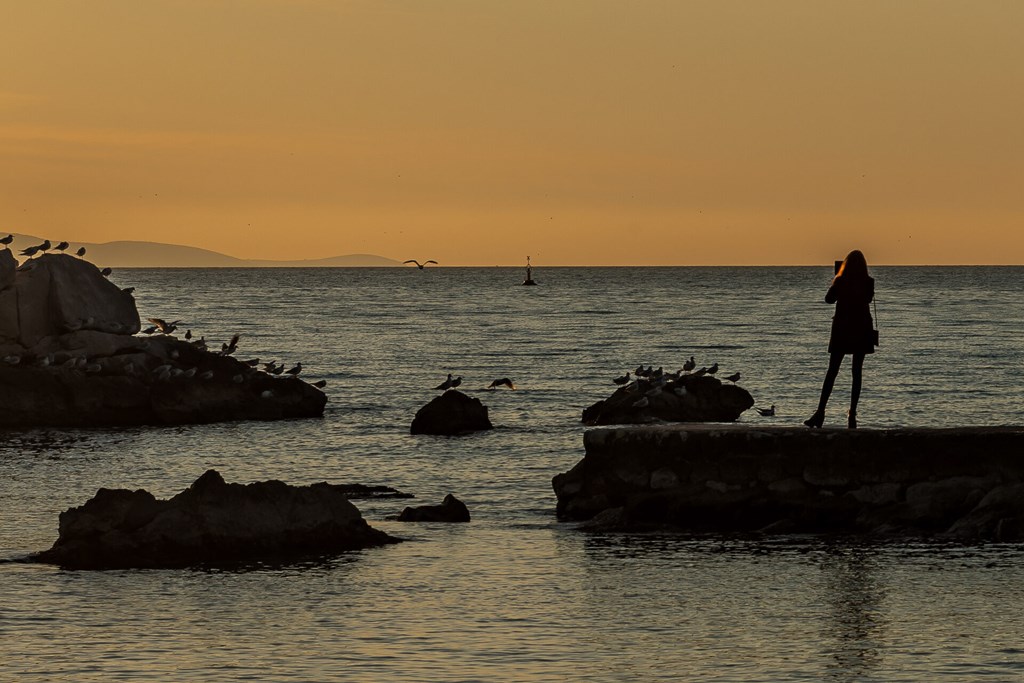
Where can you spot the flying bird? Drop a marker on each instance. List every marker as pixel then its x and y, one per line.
pixel 767 412
pixel 504 381
pixel 418 264
pixel 163 326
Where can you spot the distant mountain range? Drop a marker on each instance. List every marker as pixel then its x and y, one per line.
pixel 132 254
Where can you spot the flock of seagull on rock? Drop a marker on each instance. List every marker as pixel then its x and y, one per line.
pixel 45 246
pixel 453 382
pixel 652 381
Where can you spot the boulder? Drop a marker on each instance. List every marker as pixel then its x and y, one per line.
pixel 56 293
pixel 211 522
pixel 8 268
pixel 451 509
pixel 689 398
pixel 450 414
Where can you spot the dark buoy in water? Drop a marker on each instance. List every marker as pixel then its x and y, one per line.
pixel 528 282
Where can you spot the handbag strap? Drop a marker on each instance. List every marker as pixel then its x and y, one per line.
pixel 875 307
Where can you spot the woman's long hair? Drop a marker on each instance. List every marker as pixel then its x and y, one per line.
pixel 855 267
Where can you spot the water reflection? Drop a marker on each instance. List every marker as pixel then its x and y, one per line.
pixel 855 624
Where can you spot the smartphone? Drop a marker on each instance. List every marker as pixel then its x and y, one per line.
pixel 838 264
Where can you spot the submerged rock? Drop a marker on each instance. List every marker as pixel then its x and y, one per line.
pixel 68 357
pixel 690 398
pixel 209 522
pixel 451 509
pixel 450 414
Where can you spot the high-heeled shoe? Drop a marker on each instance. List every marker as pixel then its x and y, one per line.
pixel 851 419
pixel 816 420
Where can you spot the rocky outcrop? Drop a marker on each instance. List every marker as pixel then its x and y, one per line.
pixel 690 398
pixel 451 509
pixel 68 357
pixel 211 522
pixel 965 483
pixel 450 414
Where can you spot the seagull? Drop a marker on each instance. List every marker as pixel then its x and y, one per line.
pixel 62 246
pixel 106 271
pixel 6 241
pixel 420 265
pixel 229 348
pixel 733 378
pixel 639 370
pixel 713 369
pixel 251 363
pixel 81 252
pixel 445 385
pixel 701 372
pixel 504 381
pixel 642 403
pixel 622 380
pixel 188 335
pixel 30 251
pixel 456 382
pixel 277 370
pixel 295 370
pixel 149 330
pixel 689 365
pixel 767 412
pixel 163 326
pixel 128 290
pixel 320 383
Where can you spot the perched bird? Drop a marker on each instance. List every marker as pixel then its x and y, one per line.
pixel 445 385
pixel 30 251
pixel 642 403
pixel 188 335
pixel 658 373
pixel 294 371
pixel 45 246
pixel 231 346
pixel 639 370
pixel 700 373
pixel 733 378
pixel 149 330
pixel 767 412
pixel 624 379
pixel 12 359
pixel 62 246
pixel 251 363
pixel 320 383
pixel 456 382
pixel 81 252
pixel 680 391
pixel 689 365
pixel 418 264
pixel 277 370
pixel 106 272
pixel 713 369
pixel 6 241
pixel 128 290
pixel 504 381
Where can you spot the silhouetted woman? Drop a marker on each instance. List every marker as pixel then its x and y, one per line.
pixel 851 291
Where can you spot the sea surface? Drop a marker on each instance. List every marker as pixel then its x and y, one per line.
pixel 517 595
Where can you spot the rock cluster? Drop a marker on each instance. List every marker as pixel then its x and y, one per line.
pixel 450 414
pixel 689 398
pixel 68 357
pixel 965 483
pixel 211 522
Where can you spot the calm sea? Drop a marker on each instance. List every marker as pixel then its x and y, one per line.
pixel 516 595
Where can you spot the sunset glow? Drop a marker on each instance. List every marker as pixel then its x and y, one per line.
pixel 477 132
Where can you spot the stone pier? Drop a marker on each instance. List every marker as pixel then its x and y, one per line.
pixel 960 483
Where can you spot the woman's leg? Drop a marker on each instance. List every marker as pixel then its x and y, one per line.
pixel 858 371
pixel 834 361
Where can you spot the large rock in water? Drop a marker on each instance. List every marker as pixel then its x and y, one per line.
pixel 960 483
pixel 450 414
pixel 68 358
pixel 451 509
pixel 690 398
pixel 209 522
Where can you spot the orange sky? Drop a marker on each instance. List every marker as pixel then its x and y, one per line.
pixel 479 131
